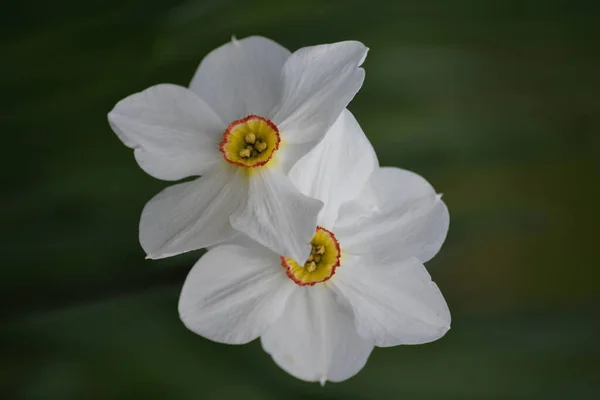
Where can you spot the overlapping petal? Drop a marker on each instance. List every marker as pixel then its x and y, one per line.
pixel 393 305
pixel 399 217
pixel 175 134
pixel 192 215
pixel 315 340
pixel 319 82
pixel 277 215
pixel 337 169
pixel 234 294
pixel 242 77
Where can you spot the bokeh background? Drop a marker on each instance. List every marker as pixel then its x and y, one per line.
pixel 495 103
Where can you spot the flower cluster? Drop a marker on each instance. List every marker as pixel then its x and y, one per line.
pixel 313 247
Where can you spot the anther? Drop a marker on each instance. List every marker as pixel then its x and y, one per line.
pixel 320 249
pixel 317 258
pixel 311 266
pixel 245 153
pixel 250 138
pixel 310 258
pixel 260 146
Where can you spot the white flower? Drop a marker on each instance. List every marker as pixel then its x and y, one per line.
pixel 363 285
pixel 252 110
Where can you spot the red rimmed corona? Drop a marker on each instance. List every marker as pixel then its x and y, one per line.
pixel 250 142
pixel 320 265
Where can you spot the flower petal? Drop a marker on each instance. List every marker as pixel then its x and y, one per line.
pixel 315 340
pixel 277 215
pixel 319 82
pixel 395 305
pixel 398 217
pixel 175 134
pixel 192 215
pixel 337 169
pixel 242 77
pixel 291 153
pixel 397 185
pixel 234 293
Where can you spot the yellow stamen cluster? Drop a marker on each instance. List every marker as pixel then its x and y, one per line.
pixel 315 256
pixel 253 146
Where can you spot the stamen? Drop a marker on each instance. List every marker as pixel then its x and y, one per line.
pixel 250 138
pixel 314 258
pixel 260 146
pixel 245 153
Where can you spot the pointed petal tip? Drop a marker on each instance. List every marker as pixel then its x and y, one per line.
pixel 364 57
pixel 322 381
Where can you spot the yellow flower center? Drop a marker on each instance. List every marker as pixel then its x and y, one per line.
pixel 250 142
pixel 320 265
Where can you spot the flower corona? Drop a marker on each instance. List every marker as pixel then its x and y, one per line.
pixel 320 265
pixel 250 142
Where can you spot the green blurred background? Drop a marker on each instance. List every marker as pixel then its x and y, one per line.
pixel 496 103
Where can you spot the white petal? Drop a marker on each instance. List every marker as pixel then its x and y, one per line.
pixel 397 185
pixel 397 218
pixel 233 294
pixel 175 134
pixel 192 215
pixel 319 82
pixel 277 215
pixel 395 305
pixel 242 77
pixel 315 340
pixel 288 156
pixel 337 169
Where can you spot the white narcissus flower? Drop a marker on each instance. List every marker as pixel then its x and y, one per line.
pixel 363 285
pixel 252 110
